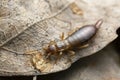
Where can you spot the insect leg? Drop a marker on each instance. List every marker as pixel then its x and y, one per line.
pixel 58 57
pixel 83 46
pixel 71 52
pixel 52 42
pixel 62 36
pixel 48 55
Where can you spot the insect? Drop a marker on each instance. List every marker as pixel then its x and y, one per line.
pixel 76 39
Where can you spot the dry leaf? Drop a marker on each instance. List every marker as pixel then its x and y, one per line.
pixel 28 25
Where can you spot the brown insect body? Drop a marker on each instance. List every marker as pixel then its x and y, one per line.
pixel 79 37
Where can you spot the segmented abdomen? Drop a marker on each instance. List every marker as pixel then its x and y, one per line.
pixel 82 35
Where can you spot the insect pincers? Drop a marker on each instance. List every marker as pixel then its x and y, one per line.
pixel 76 39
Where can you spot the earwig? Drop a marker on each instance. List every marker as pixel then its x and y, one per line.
pixel 82 35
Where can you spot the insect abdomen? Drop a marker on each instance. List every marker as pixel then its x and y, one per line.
pixel 84 34
pixel 81 36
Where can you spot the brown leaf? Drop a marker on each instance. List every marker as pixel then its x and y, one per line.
pixel 32 24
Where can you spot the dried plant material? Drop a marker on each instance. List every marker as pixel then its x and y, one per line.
pixel 75 9
pixel 29 25
pixel 41 63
